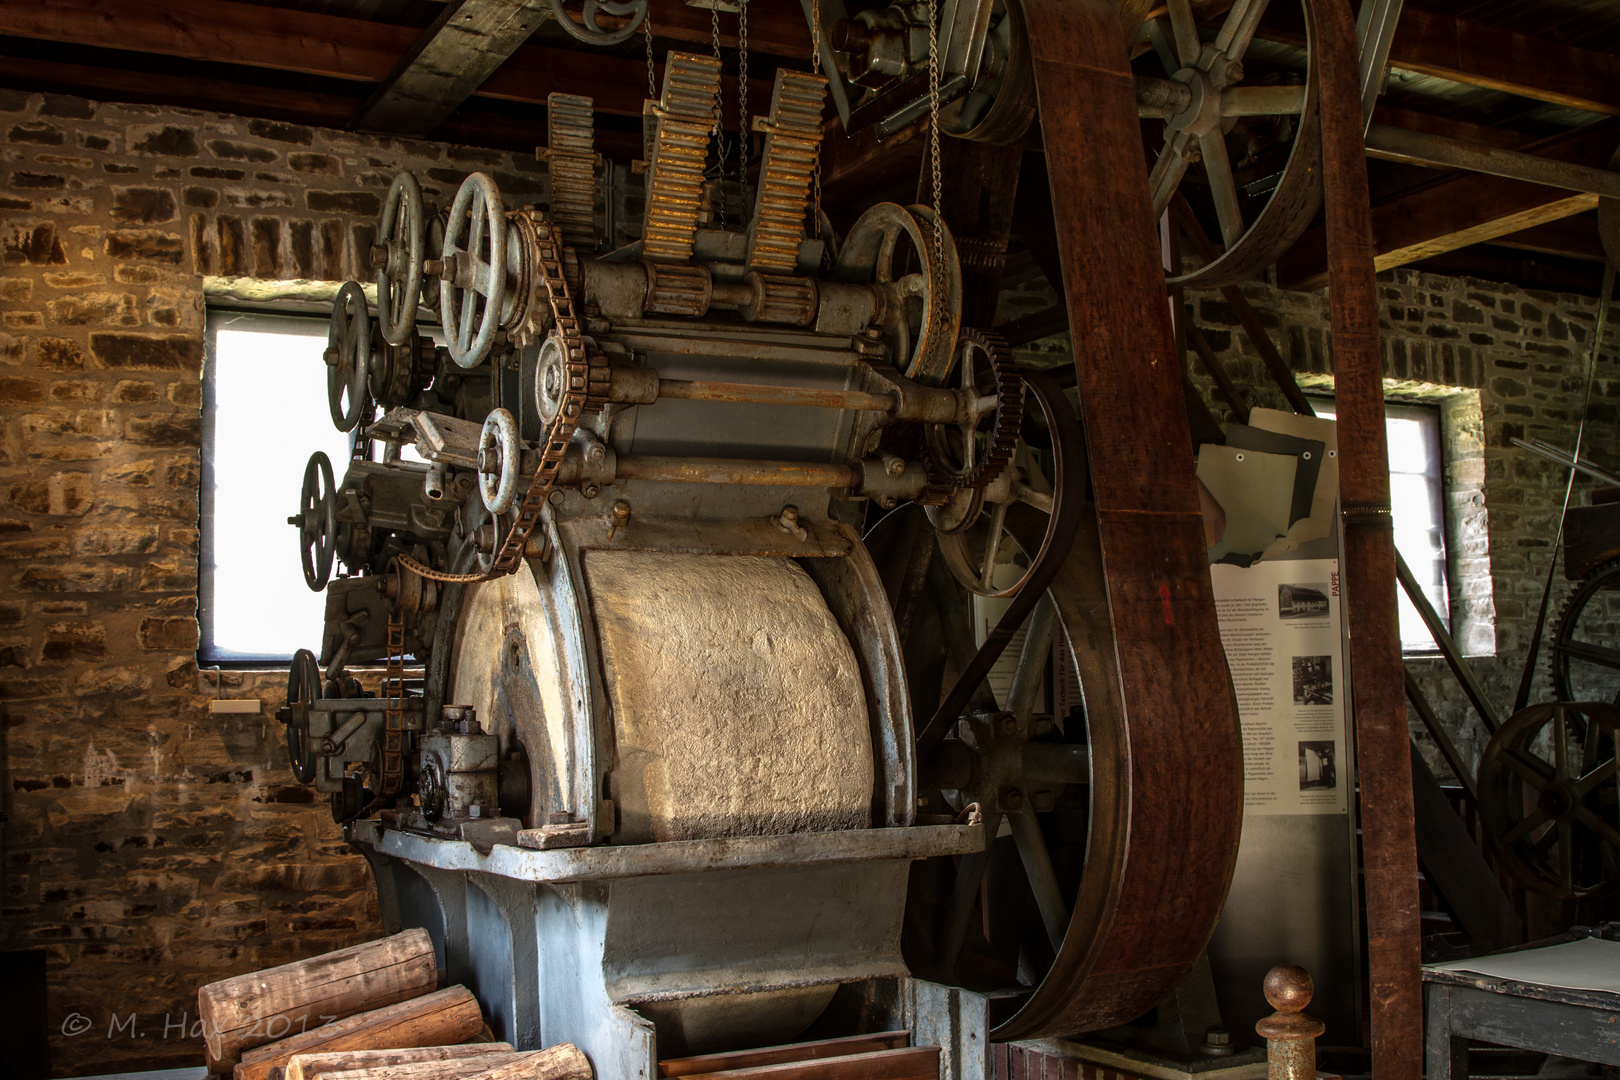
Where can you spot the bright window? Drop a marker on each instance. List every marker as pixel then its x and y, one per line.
pixel 264 413
pixel 1417 498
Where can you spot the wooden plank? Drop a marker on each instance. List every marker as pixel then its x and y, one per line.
pixel 242 1012
pixel 1383 745
pixel 453 57
pixel 1456 868
pixel 1479 55
pixel 906 1063
pixel 1456 213
pixel 1569 238
pixel 776 1055
pixel 355 50
pixel 314 1065
pixel 1474 54
pixel 439 1019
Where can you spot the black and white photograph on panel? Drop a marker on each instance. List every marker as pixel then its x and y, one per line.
pixel 1317 767
pixel 1313 680
pixel 1308 601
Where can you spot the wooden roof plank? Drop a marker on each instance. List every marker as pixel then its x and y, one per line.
pixel 452 58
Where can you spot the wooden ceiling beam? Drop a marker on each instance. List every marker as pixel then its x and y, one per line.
pixel 1571 238
pixel 451 59
pixel 311 43
pixel 1456 213
pixel 1474 54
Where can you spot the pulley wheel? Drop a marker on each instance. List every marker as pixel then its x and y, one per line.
pixel 925 304
pixel 1239 137
pixel 1549 798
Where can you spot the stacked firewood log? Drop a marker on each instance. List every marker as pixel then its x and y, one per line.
pixel 369 1012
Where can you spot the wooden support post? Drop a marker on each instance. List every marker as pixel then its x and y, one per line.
pixel 1290 1034
pixel 251 1010
pixel 1389 847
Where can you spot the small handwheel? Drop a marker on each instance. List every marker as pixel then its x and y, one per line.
pixel 348 356
pixel 1549 798
pixel 1258 147
pixel 972 451
pixel 1585 652
pixel 925 306
pixel 499 454
pixel 399 263
pixel 303 688
pixel 976 550
pixel 317 521
pixel 487 541
pixel 591 30
pixel 472 287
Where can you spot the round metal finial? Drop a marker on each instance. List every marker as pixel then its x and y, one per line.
pixel 1288 988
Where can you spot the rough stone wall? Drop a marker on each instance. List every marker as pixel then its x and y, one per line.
pixel 149 846
pixel 1501 362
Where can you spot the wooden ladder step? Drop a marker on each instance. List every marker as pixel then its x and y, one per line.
pixel 883 1056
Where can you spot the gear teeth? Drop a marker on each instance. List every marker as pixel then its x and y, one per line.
pixel 571 154
pixel 943 479
pixel 680 150
pixel 792 148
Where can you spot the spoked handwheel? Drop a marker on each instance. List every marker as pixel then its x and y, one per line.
pixel 1585 652
pixel 925 303
pixel 316 521
pixel 348 356
pixel 1549 798
pixel 398 259
pixel 303 689
pixel 623 18
pixel 1244 146
pixel 472 281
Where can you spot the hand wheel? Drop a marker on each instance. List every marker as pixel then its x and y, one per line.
pixel 317 522
pixel 398 259
pixel 303 688
pixel 499 455
pixel 348 356
pixel 472 282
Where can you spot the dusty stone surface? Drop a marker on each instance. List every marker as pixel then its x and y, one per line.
pixel 738 708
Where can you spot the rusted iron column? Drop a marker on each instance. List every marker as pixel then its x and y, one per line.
pixel 1290 1035
pixel 1383 756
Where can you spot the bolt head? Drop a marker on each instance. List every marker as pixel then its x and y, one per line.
pixel 1007 725
pixel 595 452
pixel 590 491
pixel 1012 799
pixel 1234 72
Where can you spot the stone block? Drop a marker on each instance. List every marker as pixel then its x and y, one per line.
pixel 227 150
pixel 150 245
pixel 147 352
pixel 117 540
pixel 280 132
pixel 73 641
pixel 164 431
pixel 38 245
pixel 361 203
pixel 21 390
pixel 169 633
pixel 94 309
pixel 315 164
pixel 144 205
pixel 62 495
pixel 162 140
